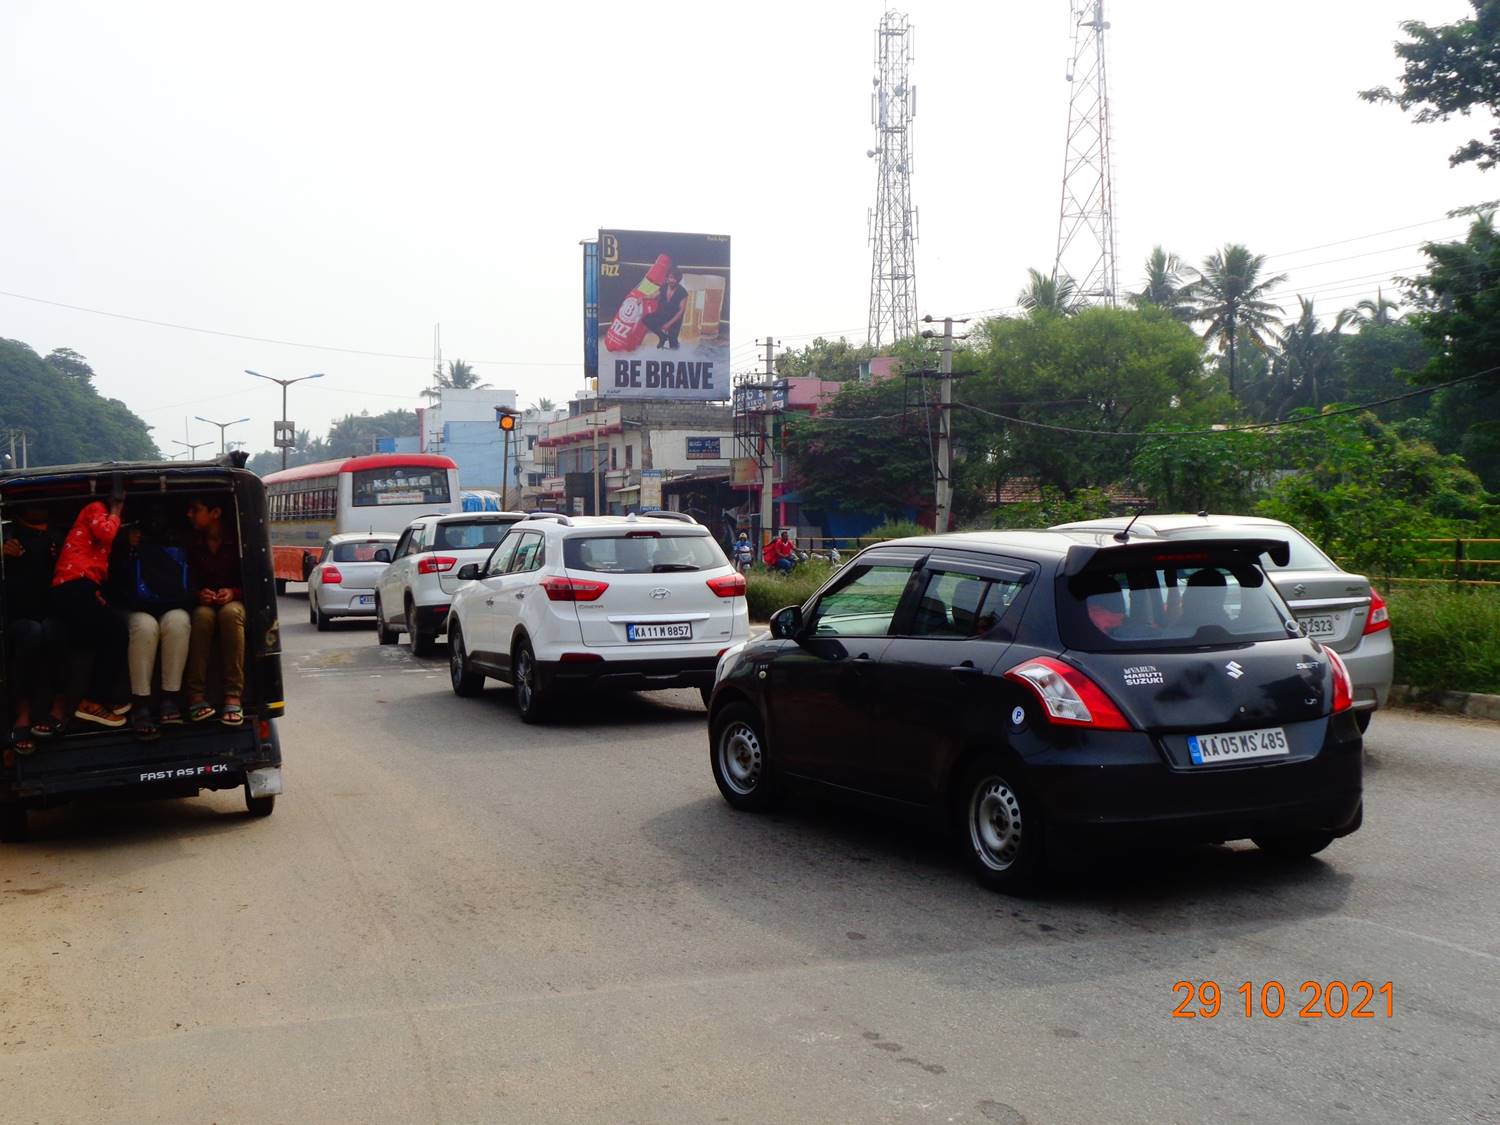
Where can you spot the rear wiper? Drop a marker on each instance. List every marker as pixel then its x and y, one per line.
pixel 661 568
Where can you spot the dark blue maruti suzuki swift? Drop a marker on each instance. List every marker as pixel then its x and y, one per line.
pixel 1045 691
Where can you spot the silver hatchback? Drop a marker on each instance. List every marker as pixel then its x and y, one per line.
pixel 343 582
pixel 1340 609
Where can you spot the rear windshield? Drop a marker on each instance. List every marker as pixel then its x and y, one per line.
pixel 1169 608
pixel 1303 555
pixel 469 534
pixel 358 552
pixel 642 552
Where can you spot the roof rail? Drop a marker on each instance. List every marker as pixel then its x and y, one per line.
pixel 558 516
pixel 663 514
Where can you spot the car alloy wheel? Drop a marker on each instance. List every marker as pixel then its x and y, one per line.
pixel 530 700
pixel 995 823
pixel 740 757
pixel 466 682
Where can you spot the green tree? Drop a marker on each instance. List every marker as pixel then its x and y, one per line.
pixel 543 405
pixel 1305 366
pixel 1380 360
pixel 1219 472
pixel 1457 310
pixel 1043 294
pixel 1363 492
pixel 1230 294
pixel 1166 287
pixel 1380 311
pixel 65 419
pixel 1452 68
pixel 836 360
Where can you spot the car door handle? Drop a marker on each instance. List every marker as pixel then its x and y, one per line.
pixel 863 662
pixel 965 671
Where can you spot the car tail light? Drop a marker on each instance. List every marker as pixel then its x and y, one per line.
pixel 436 564
pixel 728 585
pixel 1380 617
pixel 1070 698
pixel 1343 686
pixel 573 589
pixel 330 575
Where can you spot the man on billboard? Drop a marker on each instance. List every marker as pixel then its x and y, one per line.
pixel 663 292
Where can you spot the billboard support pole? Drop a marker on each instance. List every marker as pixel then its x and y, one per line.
pixel 767 451
pixel 596 458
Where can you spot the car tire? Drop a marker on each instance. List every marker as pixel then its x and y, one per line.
pixel 706 694
pixel 999 825
pixel 280 587
pixel 319 618
pixel 740 759
pixel 531 697
pixel 260 806
pixel 421 643
pixel 13 826
pixel 384 634
pixel 466 682
pixel 1294 845
pixel 1362 718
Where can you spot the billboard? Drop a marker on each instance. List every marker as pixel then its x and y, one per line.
pixel 703 449
pixel 663 320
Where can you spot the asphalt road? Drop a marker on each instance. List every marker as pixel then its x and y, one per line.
pixel 452 917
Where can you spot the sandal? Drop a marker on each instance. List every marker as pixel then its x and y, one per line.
pixel 233 716
pixel 46 727
pixel 201 711
pixel 20 740
pixel 142 725
pixel 171 712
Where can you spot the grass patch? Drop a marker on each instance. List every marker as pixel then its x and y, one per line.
pixel 1446 639
pixel 771 590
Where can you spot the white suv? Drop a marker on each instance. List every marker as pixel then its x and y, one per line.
pixel 632 602
pixel 414 591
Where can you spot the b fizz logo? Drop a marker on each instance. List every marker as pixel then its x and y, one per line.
pixel 609 256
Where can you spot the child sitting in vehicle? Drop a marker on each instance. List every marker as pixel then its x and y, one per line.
pixel 78 600
pixel 218 620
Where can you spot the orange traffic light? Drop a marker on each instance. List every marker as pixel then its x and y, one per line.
pixel 507 422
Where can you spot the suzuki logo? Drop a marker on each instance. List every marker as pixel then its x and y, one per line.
pixel 1299 589
pixel 1234 669
pixel 661 592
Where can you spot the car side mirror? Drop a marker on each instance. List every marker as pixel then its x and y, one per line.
pixel 468 572
pixel 786 623
pixel 382 555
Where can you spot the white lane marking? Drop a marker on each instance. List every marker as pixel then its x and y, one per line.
pixel 1453 945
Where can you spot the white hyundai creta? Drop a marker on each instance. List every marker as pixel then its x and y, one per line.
pixel 629 602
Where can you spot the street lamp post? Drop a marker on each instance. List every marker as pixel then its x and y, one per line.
pixel 223 446
pixel 285 383
pixel 191 447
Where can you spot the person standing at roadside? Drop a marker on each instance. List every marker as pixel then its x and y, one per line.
pixel 34 640
pixel 218 620
pixel 78 600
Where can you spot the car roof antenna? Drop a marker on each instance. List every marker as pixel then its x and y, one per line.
pixel 1123 535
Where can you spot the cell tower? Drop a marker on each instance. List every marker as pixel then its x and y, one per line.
pixel 1086 223
pixel 893 221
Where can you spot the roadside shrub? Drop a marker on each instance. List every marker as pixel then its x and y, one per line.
pixel 1446 639
pixel 771 590
pixel 896 529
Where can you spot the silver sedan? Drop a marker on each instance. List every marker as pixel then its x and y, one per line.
pixel 342 584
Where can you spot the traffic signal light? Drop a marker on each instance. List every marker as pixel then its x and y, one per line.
pixel 507 422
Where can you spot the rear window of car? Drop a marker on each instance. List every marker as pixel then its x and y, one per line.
pixel 468 535
pixel 642 552
pixel 1169 608
pixel 358 552
pixel 1303 555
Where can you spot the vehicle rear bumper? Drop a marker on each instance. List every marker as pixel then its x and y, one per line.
pixel 336 601
pixel 432 618
pixel 1371 665
pixel 633 675
pixel 1139 798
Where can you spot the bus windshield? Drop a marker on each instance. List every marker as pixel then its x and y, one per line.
pixel 400 485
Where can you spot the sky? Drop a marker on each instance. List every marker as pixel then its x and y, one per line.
pixel 325 180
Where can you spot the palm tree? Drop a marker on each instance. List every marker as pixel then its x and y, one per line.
pixel 542 405
pixel 1229 293
pixel 459 377
pixel 1377 312
pixel 1058 295
pixel 1307 360
pixel 1165 287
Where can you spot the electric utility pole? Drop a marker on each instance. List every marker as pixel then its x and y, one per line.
pixel 943 501
pixel 767 448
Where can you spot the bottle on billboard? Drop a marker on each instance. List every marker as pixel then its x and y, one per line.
pixel 629 327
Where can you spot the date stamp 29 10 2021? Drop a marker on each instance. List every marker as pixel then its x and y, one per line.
pixel 1310 1000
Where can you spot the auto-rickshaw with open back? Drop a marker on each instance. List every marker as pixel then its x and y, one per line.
pixel 185 759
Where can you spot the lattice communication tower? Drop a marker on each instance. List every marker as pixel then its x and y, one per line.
pixel 1086 222
pixel 893 221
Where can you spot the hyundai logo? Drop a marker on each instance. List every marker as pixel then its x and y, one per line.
pixel 661 592
pixel 1234 669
